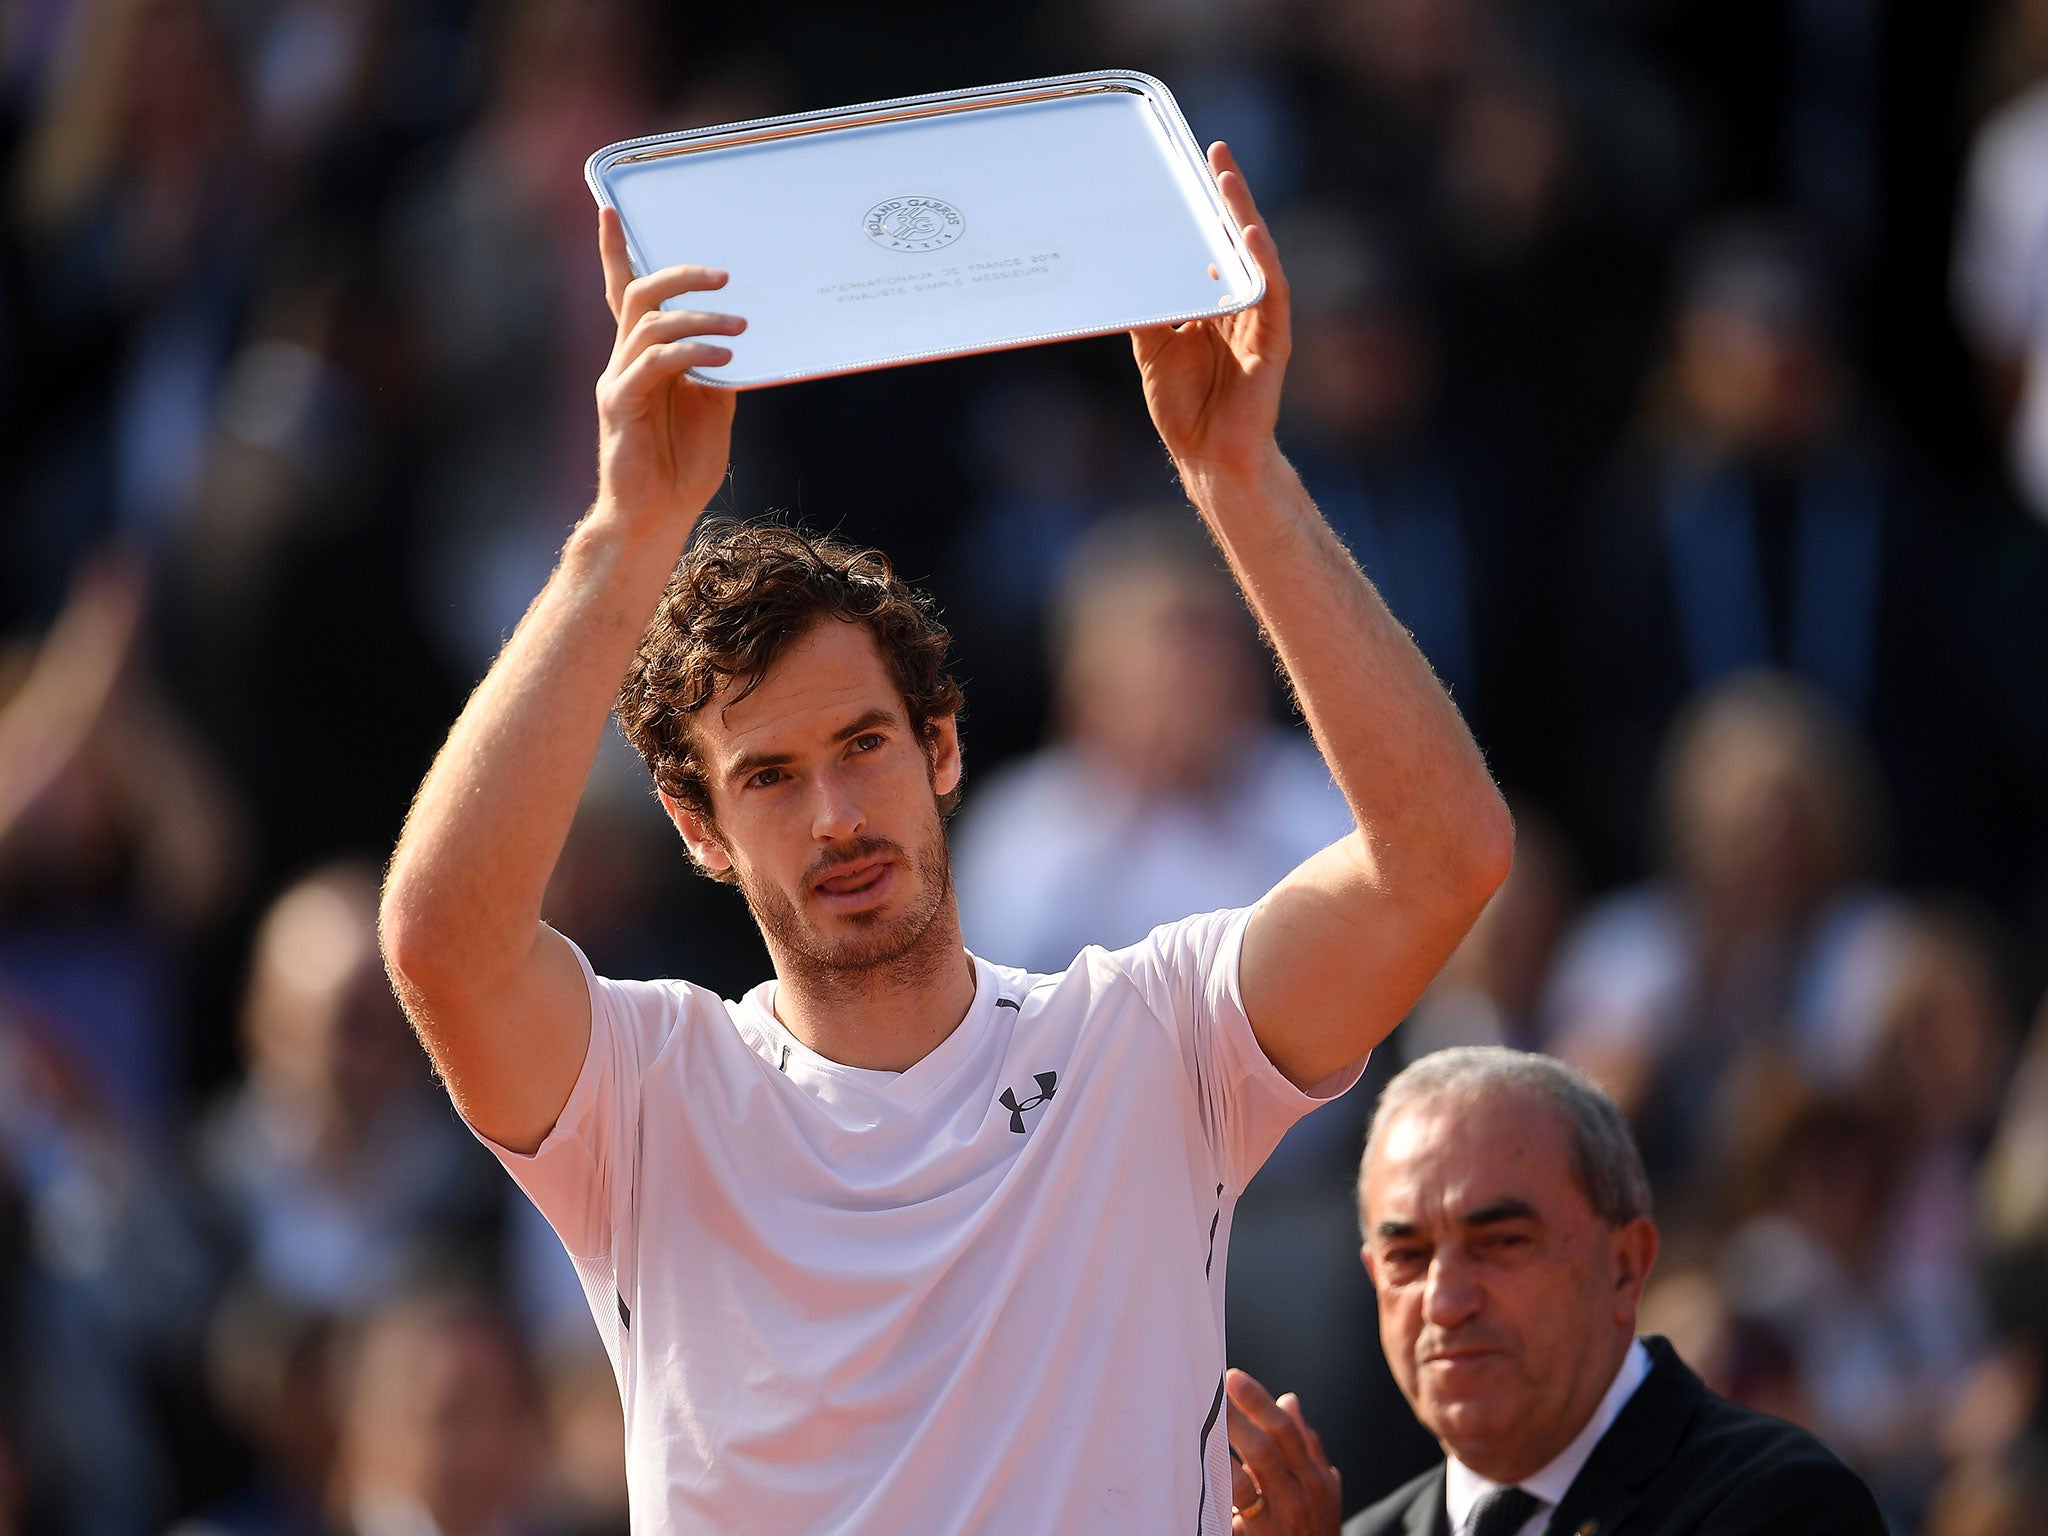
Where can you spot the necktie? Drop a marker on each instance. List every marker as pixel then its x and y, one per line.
pixel 1502 1512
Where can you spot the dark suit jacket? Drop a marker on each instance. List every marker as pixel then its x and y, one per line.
pixel 1677 1460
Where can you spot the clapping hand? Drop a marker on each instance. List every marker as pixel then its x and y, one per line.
pixel 1282 1484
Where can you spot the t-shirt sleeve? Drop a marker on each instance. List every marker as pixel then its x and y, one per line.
pixel 581 1176
pixel 1189 974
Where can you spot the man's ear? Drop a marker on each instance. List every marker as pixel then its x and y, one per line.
pixel 702 842
pixel 1634 1246
pixel 942 746
pixel 1365 1255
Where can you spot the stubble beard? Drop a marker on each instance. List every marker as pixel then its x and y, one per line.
pixel 884 948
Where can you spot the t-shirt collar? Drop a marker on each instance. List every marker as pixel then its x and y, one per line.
pixel 773 1042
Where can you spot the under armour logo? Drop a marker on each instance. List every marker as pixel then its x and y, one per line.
pixel 1046 1082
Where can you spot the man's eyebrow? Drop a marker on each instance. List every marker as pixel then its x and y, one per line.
pixel 1393 1229
pixel 750 762
pixel 1508 1208
pixel 866 723
pixel 747 764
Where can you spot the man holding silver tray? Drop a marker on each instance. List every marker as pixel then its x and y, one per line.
pixel 907 1240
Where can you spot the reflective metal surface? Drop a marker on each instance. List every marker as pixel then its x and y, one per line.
pixel 936 226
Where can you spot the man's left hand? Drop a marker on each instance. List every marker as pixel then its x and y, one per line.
pixel 1213 386
pixel 1283 1484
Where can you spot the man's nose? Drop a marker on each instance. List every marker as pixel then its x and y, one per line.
pixel 835 813
pixel 1452 1294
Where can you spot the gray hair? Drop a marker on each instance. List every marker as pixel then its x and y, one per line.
pixel 1604 1153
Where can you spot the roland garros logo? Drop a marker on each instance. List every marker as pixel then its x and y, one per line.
pixel 913 223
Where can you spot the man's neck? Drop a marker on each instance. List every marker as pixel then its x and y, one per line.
pixel 885 1017
pixel 1512 1463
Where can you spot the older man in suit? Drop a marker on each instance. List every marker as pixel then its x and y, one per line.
pixel 1508 1235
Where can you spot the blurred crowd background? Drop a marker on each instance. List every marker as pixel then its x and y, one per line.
pixel 1678 370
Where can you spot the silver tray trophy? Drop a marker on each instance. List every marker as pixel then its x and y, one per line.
pixel 936 226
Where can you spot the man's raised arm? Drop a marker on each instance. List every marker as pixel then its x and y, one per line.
pixel 496 995
pixel 1339 951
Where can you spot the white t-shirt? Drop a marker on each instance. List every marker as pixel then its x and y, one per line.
pixel 982 1295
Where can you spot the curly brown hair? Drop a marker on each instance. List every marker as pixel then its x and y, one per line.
pixel 741 593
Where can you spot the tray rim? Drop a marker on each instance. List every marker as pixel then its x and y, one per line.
pixel 937 104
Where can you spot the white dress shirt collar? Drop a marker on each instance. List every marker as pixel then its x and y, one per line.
pixel 1463 1487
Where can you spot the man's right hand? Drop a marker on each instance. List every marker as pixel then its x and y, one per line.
pixel 663 438
pixel 1283 1484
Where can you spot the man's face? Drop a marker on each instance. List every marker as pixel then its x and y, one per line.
pixel 826 808
pixel 1162 677
pixel 1505 1303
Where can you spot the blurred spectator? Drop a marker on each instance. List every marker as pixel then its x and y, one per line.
pixel 493 249
pixel 282 593
pixel 2005 1431
pixel 118 845
pixel 1169 790
pixel 1043 453
pixel 1435 507
pixel 1934 1080
pixel 307 65
pixel 1534 163
pixel 1995 1434
pixel 441 1431
pixel 18 1517
pixel 102 1277
pixel 2014 1194
pixel 1758 934
pixel 1991 1500
pixel 1049 449
pixel 270 1367
pixel 1223 57
pixel 341 1171
pixel 336 86
pixel 621 879
pixel 30 34
pixel 1809 1265
pixel 1847 1298
pixel 1383 82
pixel 1760 517
pixel 1490 990
pixel 137 201
pixel 586 1494
pixel 2000 277
pixel 1743 1358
